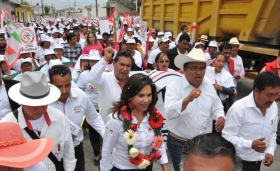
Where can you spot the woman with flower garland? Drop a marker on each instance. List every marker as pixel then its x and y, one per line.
pixel 133 140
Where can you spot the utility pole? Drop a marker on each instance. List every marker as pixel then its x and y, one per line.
pixel 96 8
pixel 69 8
pixel 75 7
pixel 42 8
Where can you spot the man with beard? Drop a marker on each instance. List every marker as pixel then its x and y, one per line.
pixel 3 44
pixel 251 123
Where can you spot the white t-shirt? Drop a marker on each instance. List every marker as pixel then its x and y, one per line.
pixel 153 55
pixel 138 58
pixel 88 88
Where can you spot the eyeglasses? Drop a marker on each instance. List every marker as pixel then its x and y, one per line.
pixel 195 69
pixel 162 61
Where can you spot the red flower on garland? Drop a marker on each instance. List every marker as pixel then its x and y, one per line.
pixel 147 157
pixel 156 155
pixel 136 160
pixel 133 127
pixel 125 113
pixel 156 121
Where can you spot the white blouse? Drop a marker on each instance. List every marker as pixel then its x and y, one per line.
pixel 115 149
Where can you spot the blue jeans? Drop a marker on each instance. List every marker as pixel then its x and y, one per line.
pixel 175 148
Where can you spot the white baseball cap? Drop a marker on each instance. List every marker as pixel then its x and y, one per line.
pixel 160 33
pixel 57 46
pixel 213 44
pixel 130 29
pixel 130 41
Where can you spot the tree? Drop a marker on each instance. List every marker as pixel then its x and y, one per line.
pixel 46 9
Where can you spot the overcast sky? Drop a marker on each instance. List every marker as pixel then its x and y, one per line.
pixel 61 4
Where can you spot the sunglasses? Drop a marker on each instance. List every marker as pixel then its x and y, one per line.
pixel 162 61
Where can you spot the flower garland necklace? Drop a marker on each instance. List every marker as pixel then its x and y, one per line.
pixel 130 136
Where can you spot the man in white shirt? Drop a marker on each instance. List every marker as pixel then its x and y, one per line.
pixel 25 65
pixel 150 49
pixel 251 123
pixel 184 30
pixel 131 46
pixel 238 62
pixel 80 40
pixel 38 120
pixel 54 37
pixel 58 49
pixel 110 84
pixel 163 44
pixel 191 102
pixel 75 104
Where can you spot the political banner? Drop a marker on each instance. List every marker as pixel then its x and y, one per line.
pixel 28 38
pixel 104 26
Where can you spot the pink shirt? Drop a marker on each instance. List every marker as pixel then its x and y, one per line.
pixel 87 48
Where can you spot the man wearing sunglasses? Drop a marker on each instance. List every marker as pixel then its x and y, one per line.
pixel 190 104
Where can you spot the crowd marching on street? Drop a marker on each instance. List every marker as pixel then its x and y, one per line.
pixel 142 100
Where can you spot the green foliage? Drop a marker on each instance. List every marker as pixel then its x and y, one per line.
pixel 46 9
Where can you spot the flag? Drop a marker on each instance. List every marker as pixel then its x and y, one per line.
pixel 128 21
pixel 148 40
pixel 14 44
pixel 118 27
pixel 1 19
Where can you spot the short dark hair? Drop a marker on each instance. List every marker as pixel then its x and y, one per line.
pixel 184 36
pixel 217 54
pixel 70 36
pixel 266 79
pixel 76 31
pixel 131 88
pixel 2 36
pixel 123 53
pixel 109 43
pixel 183 27
pixel 105 34
pixel 210 145
pixel 61 70
pixel 224 45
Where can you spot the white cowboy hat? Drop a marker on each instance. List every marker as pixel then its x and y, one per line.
pixel 234 41
pixel 34 90
pixel 204 37
pixel 195 55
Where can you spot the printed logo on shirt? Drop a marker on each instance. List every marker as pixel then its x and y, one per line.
pixel 91 87
pixel 77 109
pixel 109 130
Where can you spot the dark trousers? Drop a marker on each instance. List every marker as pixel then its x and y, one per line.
pixel 80 156
pixel 214 122
pixel 251 166
pixel 149 168
pixel 175 148
pixel 95 140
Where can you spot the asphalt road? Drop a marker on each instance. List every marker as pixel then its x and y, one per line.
pixel 244 88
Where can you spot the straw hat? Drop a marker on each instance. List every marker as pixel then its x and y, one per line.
pixel 204 38
pixel 234 41
pixel 17 152
pixel 34 90
pixel 195 55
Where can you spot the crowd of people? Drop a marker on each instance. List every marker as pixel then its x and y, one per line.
pixel 80 79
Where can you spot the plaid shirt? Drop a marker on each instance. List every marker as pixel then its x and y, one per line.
pixel 72 54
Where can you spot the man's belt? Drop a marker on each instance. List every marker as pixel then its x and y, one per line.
pixel 178 137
